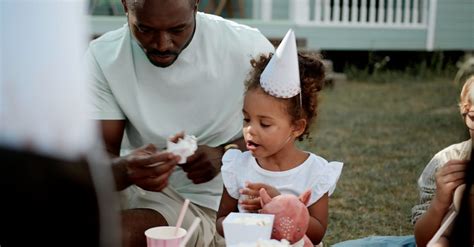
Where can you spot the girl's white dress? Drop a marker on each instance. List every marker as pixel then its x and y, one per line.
pixel 315 173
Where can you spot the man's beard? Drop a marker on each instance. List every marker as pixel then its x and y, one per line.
pixel 150 55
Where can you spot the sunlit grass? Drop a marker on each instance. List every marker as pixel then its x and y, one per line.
pixel 385 134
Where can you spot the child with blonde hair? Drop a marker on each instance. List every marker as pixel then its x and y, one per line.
pixel 280 104
pixel 441 177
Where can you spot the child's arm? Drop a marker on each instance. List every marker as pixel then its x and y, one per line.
pixel 447 178
pixel 429 222
pixel 318 219
pixel 228 204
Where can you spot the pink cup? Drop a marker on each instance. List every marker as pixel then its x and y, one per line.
pixel 164 236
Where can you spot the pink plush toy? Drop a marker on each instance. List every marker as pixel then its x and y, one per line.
pixel 291 216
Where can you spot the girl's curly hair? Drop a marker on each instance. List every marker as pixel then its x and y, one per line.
pixel 312 74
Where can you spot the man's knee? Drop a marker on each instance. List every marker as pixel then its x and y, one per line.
pixel 135 222
pixel 143 216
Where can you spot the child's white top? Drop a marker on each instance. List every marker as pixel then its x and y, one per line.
pixel 314 173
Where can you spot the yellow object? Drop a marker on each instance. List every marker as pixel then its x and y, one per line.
pixel 231 146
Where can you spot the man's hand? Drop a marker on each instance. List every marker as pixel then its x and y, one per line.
pixel 251 203
pixel 175 138
pixel 448 178
pixel 204 164
pixel 148 168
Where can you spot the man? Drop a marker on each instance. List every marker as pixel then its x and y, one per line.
pixel 171 69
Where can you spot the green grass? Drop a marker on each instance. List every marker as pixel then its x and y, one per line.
pixel 385 133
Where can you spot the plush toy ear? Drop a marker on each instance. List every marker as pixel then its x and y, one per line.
pixel 304 198
pixel 264 197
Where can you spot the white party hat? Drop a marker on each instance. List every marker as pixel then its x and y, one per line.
pixel 281 76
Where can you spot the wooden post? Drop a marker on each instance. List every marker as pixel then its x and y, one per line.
pixel 363 11
pixel 355 11
pixel 318 11
pixel 398 12
pixel 327 11
pixel 416 6
pixel 299 11
pixel 256 5
pixel 372 12
pixel 381 12
pixel 430 34
pixel 345 11
pixel 390 12
pixel 337 12
pixel 425 12
pixel 266 10
pixel 407 12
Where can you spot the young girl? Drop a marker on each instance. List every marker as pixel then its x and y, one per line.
pixel 272 123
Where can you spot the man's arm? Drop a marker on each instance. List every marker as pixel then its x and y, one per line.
pixel 112 134
pixel 206 162
pixel 145 166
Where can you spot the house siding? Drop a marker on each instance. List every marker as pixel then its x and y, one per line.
pixel 455 25
pixel 454 29
pixel 346 38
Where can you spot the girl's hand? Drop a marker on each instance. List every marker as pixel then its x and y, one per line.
pixel 448 178
pixel 251 205
pixel 251 201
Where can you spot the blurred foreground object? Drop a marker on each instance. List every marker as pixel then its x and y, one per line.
pixel 55 183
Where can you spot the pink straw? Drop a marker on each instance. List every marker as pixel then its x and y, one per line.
pixel 181 216
pixel 191 230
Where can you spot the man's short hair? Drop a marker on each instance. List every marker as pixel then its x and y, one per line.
pixel 133 4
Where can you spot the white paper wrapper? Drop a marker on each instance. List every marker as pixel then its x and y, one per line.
pixel 184 147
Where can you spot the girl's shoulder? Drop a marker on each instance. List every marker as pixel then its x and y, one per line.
pixel 321 176
pixel 316 161
pixel 460 150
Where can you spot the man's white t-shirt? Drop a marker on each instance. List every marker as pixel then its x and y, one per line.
pixel 201 93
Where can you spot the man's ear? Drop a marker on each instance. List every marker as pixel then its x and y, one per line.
pixel 298 127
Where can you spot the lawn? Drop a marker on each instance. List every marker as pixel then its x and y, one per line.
pixel 385 133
